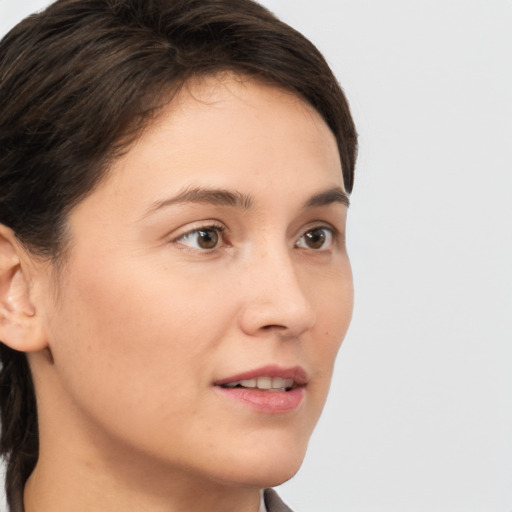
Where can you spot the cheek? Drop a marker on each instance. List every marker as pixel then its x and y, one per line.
pixel 334 304
pixel 128 339
pixel 332 293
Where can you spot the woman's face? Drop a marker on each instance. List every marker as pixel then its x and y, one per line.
pixel 213 253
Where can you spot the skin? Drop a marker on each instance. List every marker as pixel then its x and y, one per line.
pixel 141 320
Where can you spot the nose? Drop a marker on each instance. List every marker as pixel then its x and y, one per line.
pixel 274 299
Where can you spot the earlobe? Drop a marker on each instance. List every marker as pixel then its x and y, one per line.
pixel 20 326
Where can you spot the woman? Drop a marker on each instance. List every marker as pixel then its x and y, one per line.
pixel 174 284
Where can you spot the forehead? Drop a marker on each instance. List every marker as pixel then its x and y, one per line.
pixel 223 133
pixel 231 122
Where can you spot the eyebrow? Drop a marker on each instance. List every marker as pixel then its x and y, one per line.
pixel 218 197
pixel 222 197
pixel 330 196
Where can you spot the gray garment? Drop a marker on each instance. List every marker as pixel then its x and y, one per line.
pixel 274 503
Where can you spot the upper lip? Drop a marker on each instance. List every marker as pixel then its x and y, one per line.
pixel 296 373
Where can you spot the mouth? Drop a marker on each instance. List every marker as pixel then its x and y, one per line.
pixel 270 389
pixel 276 384
pixel 267 378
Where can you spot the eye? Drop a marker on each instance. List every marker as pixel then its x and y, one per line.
pixel 206 238
pixel 320 238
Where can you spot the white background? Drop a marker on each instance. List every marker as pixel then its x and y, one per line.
pixel 420 413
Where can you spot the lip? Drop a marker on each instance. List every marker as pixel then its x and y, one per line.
pixel 263 401
pixel 297 373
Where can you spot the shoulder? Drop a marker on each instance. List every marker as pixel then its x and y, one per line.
pixel 274 503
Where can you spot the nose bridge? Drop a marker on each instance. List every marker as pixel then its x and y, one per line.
pixel 274 297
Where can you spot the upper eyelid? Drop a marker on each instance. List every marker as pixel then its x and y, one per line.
pixel 319 225
pixel 210 225
pixel 182 240
pixel 222 228
pixel 338 234
pixel 334 231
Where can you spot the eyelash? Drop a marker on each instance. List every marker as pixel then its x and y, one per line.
pixel 219 230
pixel 212 228
pixel 330 238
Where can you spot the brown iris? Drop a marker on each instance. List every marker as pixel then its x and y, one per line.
pixel 207 238
pixel 315 238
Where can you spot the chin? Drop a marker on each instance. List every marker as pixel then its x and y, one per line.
pixel 261 478
pixel 279 475
pixel 268 468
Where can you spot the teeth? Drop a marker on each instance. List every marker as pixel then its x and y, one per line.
pixel 265 383
pixel 278 383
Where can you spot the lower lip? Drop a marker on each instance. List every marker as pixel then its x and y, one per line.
pixel 270 402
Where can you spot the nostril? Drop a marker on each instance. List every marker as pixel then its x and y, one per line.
pixel 277 327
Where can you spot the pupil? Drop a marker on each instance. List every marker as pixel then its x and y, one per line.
pixel 315 238
pixel 208 239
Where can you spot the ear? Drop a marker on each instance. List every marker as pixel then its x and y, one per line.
pixel 20 326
